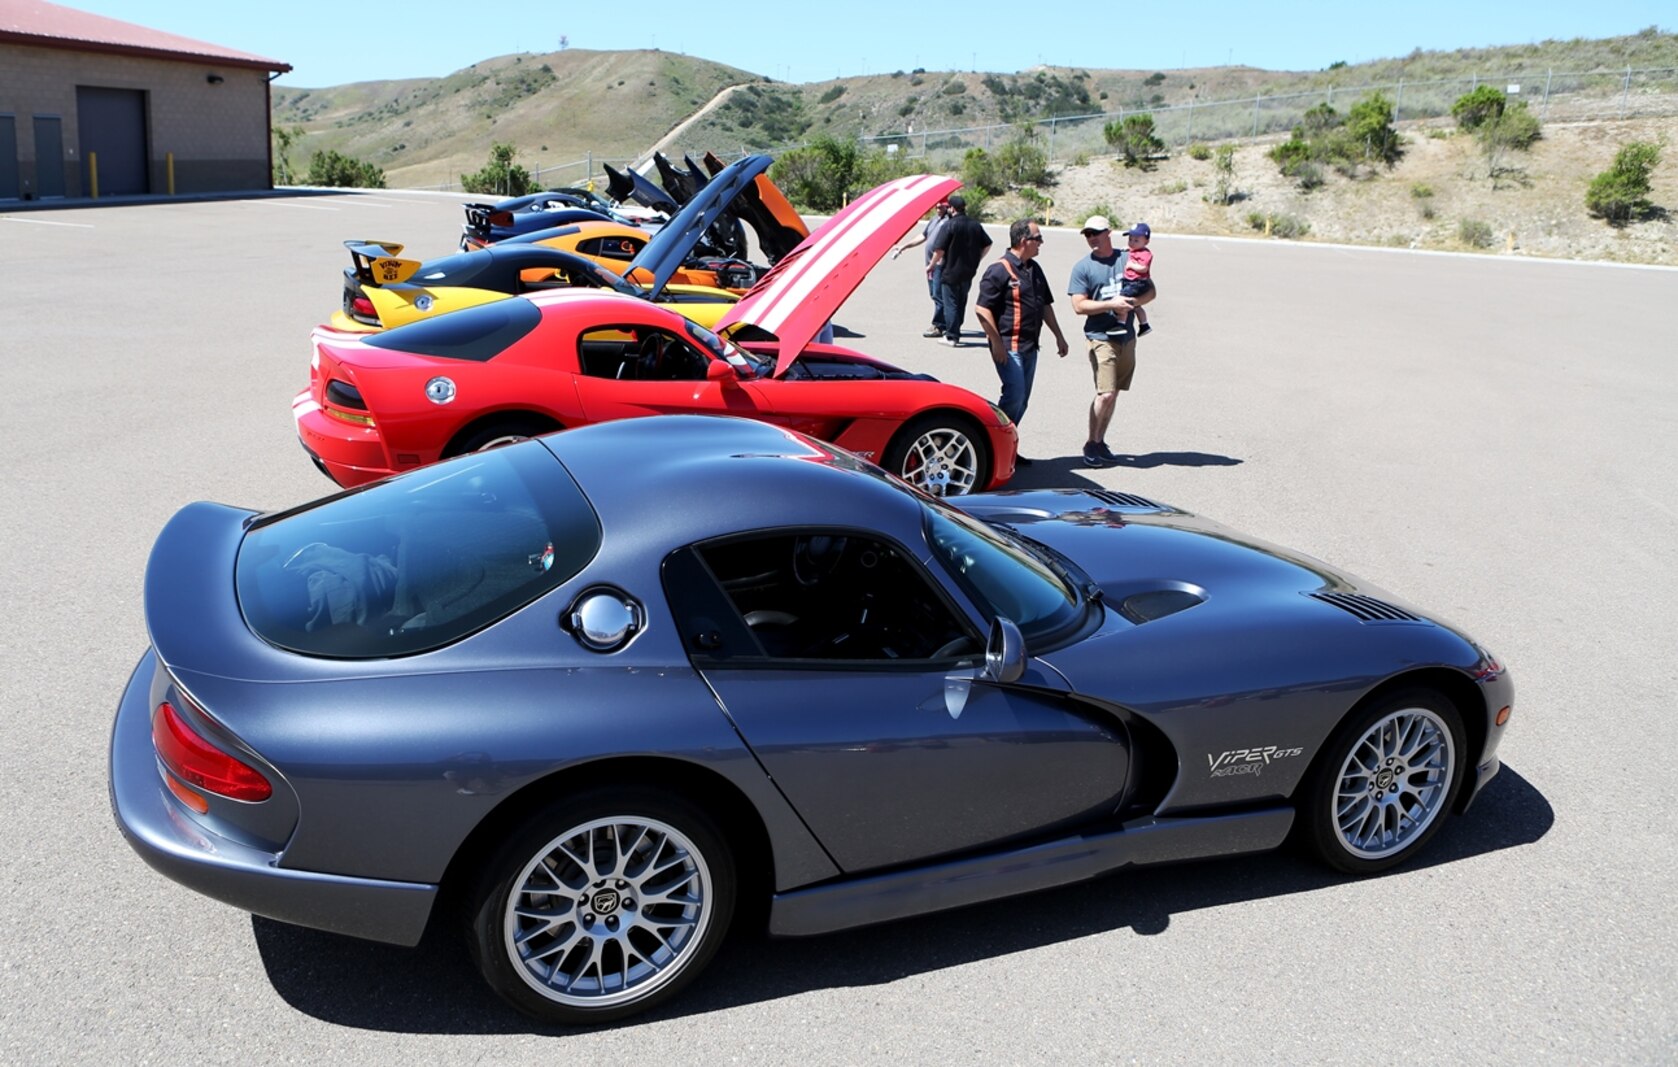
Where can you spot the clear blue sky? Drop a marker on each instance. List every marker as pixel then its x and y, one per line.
pixel 337 42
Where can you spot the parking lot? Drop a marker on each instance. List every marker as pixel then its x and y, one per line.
pixel 1495 439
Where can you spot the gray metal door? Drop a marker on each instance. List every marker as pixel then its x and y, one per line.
pixel 9 187
pixel 112 123
pixel 49 156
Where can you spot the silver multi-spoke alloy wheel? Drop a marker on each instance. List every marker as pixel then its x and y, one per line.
pixel 608 912
pixel 1394 783
pixel 943 461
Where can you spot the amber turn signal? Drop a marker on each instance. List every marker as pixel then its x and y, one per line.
pixel 1503 716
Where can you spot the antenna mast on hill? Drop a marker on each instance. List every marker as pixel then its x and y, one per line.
pixel 564 42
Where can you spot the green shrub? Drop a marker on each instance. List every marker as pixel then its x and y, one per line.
pixel 1223 168
pixel 832 94
pixel 330 168
pixel 1474 109
pixel 1278 225
pixel 1622 191
pixel 825 174
pixel 1172 188
pixel 1369 128
pixel 284 138
pixel 1134 138
pixel 1421 191
pixel 954 87
pixel 500 175
pixel 1475 233
pixel 1200 151
pixel 1309 176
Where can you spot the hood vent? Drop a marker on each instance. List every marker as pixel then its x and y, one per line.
pixel 1367 608
pixel 1124 500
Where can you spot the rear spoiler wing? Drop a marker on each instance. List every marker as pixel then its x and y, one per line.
pixel 376 263
pixel 480 217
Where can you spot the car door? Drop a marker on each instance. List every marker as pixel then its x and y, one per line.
pixel 633 369
pixel 854 680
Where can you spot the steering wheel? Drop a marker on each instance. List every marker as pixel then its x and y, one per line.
pixel 650 357
pixel 816 558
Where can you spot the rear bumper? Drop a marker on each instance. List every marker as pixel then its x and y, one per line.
pixel 176 846
pixel 350 455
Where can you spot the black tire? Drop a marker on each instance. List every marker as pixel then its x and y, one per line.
pixel 602 954
pixel 496 434
pixel 1385 782
pixel 905 455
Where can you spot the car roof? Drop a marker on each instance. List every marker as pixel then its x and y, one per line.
pixel 684 478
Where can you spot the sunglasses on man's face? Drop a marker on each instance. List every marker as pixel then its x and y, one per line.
pixel 1034 237
pixel 1095 233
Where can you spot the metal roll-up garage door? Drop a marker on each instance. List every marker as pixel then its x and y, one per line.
pixel 112 123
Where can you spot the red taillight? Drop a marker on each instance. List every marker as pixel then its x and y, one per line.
pixel 363 306
pixel 198 763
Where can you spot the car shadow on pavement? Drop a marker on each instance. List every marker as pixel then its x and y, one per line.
pixel 1070 472
pixel 434 988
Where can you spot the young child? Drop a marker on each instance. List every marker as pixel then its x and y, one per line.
pixel 1138 271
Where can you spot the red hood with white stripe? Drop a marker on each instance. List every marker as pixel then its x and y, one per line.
pixel 806 287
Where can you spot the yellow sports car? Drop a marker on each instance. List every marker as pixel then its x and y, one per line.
pixel 383 291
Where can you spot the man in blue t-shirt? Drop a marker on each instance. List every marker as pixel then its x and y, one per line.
pixel 1108 327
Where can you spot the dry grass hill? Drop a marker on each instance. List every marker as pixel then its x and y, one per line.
pixel 561 107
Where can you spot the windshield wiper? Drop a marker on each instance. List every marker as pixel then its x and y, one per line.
pixel 1063 565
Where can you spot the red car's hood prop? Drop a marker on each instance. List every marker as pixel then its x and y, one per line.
pixel 793 300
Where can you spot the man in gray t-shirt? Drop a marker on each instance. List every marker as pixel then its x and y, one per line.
pixel 1094 289
pixel 940 216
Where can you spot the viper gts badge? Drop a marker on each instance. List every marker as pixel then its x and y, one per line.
pixel 1247 760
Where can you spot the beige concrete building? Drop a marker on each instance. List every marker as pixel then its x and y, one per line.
pixel 90 101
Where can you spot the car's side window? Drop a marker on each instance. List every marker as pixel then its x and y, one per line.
pixel 624 248
pixel 632 353
pixel 812 595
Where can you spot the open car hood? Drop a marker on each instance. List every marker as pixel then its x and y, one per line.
pixel 670 246
pixel 805 288
pixel 768 212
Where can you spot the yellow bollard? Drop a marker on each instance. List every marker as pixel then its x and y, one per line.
pixel 93 174
pixel 1511 246
pixel 169 168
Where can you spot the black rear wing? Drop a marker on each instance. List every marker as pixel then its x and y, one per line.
pixel 480 217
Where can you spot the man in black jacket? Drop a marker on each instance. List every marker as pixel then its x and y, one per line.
pixel 957 250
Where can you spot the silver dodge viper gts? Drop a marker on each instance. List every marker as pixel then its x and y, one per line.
pixel 597 691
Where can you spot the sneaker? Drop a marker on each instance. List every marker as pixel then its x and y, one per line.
pixel 1093 454
pixel 1105 453
pixel 932 331
pixel 950 341
pixel 1144 330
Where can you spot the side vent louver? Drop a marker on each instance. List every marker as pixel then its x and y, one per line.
pixel 1124 500
pixel 1367 608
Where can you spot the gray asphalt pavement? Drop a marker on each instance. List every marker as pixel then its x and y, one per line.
pixel 1494 439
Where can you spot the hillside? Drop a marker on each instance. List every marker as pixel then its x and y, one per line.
pixel 555 108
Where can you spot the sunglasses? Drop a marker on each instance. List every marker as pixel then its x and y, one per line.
pixel 1034 237
pixel 1095 233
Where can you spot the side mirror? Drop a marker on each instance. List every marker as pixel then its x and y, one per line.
pixel 719 371
pixel 1004 652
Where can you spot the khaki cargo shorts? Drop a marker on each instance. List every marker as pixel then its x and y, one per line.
pixel 1114 363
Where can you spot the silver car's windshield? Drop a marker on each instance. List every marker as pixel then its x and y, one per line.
pixel 1005 577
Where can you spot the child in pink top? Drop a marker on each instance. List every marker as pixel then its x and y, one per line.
pixel 1138 271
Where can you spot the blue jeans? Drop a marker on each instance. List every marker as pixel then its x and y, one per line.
pixel 933 284
pixel 953 291
pixel 1017 372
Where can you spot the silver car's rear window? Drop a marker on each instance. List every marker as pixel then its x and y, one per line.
pixel 415 563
